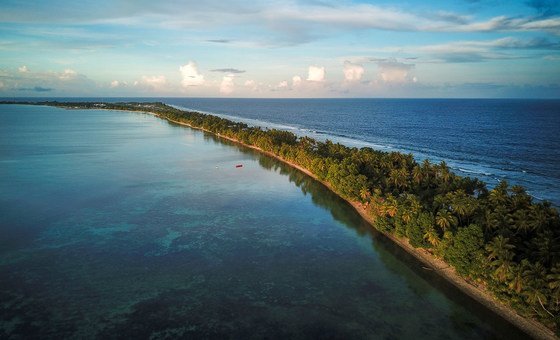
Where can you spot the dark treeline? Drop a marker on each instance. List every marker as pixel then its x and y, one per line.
pixel 498 238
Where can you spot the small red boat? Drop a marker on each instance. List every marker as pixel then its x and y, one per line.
pixel 239 166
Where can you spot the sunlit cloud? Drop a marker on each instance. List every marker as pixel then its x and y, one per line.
pixel 316 73
pixel 227 85
pixel 392 71
pixel 190 75
pixel 353 72
pixel 153 82
pixel 282 85
pixel 68 74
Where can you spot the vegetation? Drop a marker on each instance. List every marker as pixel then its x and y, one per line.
pixel 496 238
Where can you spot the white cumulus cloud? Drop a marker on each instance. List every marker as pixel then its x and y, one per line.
pixel 117 83
pixel 283 84
pixel 190 75
pixel 296 81
pixel 316 73
pixel 67 74
pixel 353 72
pixel 395 72
pixel 227 85
pixel 154 82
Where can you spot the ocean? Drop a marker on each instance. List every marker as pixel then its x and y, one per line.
pixel 122 225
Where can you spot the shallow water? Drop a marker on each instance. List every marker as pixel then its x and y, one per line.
pixel 119 224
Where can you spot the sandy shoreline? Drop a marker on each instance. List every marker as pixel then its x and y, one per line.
pixel 531 327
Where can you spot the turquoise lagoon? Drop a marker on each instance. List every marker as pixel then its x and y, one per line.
pixel 122 225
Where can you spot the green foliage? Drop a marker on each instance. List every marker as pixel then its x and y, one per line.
pixel 465 250
pixel 415 231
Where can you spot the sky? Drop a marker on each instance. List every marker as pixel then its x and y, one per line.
pixel 280 49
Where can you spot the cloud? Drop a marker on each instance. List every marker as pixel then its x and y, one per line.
pixel 504 24
pixel 23 69
pixel 296 81
pixel 479 51
pixel 65 83
pixel 250 83
pixel 364 16
pixel 352 72
pixel 152 82
pixel 283 84
pixel 190 75
pixel 316 73
pixel 36 89
pixel 452 17
pixel 294 21
pixel 68 74
pixel 395 72
pixel 227 85
pixel 228 70
pixel 116 83
pixel 253 86
pixel 219 41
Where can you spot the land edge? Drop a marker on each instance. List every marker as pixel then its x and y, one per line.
pixel 531 327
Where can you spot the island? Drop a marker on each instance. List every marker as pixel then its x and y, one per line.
pixel 497 245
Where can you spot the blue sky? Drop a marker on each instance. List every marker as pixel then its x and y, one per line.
pixel 315 48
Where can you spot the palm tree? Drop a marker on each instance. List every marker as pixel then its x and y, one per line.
pixel 444 173
pixel 517 281
pixel 398 178
pixel 445 220
pixel 365 194
pixel 496 219
pixel 499 247
pixel 499 195
pixel 540 218
pixel 519 197
pixel 391 206
pixel 554 282
pixel 535 278
pixel 407 215
pixel 501 257
pixel 503 266
pixel 415 205
pixel 417 175
pixel 432 236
